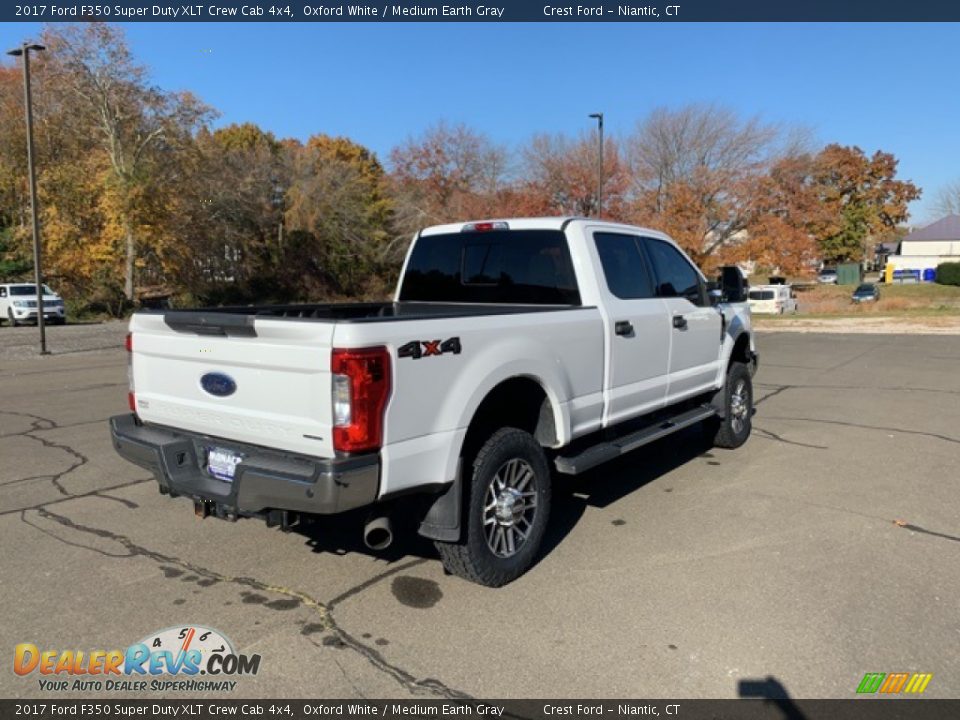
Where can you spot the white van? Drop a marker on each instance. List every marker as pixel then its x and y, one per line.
pixel 18 303
pixel 772 299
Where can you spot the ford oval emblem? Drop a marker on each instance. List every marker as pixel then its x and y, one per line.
pixel 218 384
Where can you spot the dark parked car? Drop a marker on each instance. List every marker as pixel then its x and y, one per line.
pixel 868 292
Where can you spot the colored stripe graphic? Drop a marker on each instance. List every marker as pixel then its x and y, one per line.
pixel 918 683
pixel 871 682
pixel 893 683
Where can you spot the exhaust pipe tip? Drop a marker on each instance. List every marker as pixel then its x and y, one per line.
pixel 378 533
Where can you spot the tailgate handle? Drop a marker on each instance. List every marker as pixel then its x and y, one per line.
pixel 210 323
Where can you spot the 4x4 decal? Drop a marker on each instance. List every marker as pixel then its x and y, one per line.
pixel 417 349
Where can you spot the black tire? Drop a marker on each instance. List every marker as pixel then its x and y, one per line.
pixel 506 454
pixel 734 428
pixel 13 321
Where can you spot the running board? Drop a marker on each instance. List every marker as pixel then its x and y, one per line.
pixel 601 453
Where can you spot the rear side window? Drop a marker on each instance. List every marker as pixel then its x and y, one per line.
pixel 624 266
pixel 675 275
pixel 501 266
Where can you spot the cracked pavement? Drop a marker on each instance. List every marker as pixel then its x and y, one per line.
pixel 827 547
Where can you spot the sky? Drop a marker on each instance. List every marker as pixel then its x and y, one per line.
pixel 890 87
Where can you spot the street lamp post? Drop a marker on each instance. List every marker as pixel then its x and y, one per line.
pixel 599 118
pixel 24 50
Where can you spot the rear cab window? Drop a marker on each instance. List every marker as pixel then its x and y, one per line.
pixel 514 267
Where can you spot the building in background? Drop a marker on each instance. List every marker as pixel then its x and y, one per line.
pixel 924 249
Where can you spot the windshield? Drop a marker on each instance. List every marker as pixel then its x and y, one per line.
pixel 865 289
pixel 761 295
pixel 29 290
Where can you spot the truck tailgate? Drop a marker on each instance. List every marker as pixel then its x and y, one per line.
pixel 281 377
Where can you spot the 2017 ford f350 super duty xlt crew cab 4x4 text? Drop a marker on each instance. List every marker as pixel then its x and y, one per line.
pixel 513 349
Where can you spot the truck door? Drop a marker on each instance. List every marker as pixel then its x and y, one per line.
pixel 694 323
pixel 637 329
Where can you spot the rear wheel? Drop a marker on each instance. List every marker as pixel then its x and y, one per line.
pixel 506 511
pixel 734 428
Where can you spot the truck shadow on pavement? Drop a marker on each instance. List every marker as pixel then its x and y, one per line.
pixel 602 487
pixel 606 485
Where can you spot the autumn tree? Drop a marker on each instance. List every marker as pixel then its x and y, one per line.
pixel 138 127
pixel 338 212
pixel 863 195
pixel 229 211
pixel 561 176
pixel 695 171
pixel 448 173
pixel 788 217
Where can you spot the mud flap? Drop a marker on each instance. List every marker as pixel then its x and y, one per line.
pixel 442 521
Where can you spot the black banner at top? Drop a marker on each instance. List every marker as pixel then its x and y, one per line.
pixel 656 11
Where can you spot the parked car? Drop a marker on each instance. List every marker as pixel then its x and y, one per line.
pixel 512 349
pixel 827 276
pixel 868 292
pixel 772 299
pixel 18 303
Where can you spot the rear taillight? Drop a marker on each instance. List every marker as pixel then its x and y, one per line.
pixel 131 398
pixel 360 388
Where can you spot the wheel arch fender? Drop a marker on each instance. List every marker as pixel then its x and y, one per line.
pixel 544 415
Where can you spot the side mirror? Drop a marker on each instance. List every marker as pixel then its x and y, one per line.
pixel 732 285
pixel 714 293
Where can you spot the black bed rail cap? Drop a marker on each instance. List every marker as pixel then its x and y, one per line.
pixel 210 323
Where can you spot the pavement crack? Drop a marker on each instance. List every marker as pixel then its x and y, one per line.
pixel 779 438
pixel 858 388
pixel 937 436
pixel 37 424
pixel 769 395
pixel 374 658
pixel 77 496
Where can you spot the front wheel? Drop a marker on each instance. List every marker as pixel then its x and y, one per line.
pixel 733 429
pixel 13 320
pixel 506 511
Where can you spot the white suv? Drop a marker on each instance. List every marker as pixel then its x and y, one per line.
pixel 18 303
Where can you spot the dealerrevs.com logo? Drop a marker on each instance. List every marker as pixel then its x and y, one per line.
pixel 185 658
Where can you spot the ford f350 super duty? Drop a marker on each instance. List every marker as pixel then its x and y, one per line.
pixel 513 349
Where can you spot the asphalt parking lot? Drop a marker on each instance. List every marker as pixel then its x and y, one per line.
pixel 827 547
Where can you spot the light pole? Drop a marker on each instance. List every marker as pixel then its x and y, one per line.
pixel 24 50
pixel 599 118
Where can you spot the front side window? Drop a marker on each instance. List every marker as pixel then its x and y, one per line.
pixel 676 277
pixel 624 266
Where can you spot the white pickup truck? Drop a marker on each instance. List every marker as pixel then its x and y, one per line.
pixel 511 346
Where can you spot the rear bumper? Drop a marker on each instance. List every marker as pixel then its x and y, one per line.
pixel 265 480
